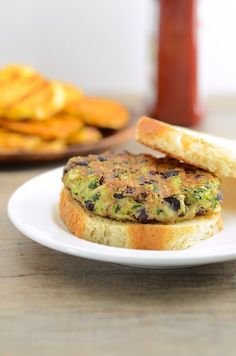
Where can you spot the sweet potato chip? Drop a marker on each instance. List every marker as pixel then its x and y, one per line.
pixel 61 126
pixel 85 136
pixel 11 142
pixel 25 94
pixel 73 95
pixel 101 112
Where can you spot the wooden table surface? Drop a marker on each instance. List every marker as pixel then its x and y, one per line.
pixel 55 304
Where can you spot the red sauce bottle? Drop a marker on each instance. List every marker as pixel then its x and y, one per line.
pixel 176 79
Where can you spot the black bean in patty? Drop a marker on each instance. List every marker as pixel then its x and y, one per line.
pixel 174 202
pixel 172 173
pixel 65 170
pixel 142 216
pixel 219 196
pixel 130 190
pixel 144 181
pixel 201 212
pixel 141 197
pixel 89 205
pixel 102 158
pixel 118 196
pixel 82 163
pixel 101 180
pixel 149 181
pixel 199 175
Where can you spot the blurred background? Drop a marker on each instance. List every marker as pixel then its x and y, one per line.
pixel 105 46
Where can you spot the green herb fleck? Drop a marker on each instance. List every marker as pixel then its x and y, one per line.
pixel 117 208
pixel 214 204
pixel 136 206
pixel 96 196
pixel 93 184
pixel 155 188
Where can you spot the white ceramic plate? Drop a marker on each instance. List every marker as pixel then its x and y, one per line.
pixel 33 209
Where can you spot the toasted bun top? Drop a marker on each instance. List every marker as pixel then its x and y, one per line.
pixel 215 154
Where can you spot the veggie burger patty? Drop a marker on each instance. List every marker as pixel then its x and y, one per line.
pixel 141 188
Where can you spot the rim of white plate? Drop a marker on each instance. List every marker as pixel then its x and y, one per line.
pixel 107 253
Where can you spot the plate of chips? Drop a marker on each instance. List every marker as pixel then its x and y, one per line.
pixel 44 120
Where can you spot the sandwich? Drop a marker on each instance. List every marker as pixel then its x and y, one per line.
pixel 141 201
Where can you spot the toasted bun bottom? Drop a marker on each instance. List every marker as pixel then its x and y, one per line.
pixel 91 227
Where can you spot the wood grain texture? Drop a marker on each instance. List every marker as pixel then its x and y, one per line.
pixel 55 304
